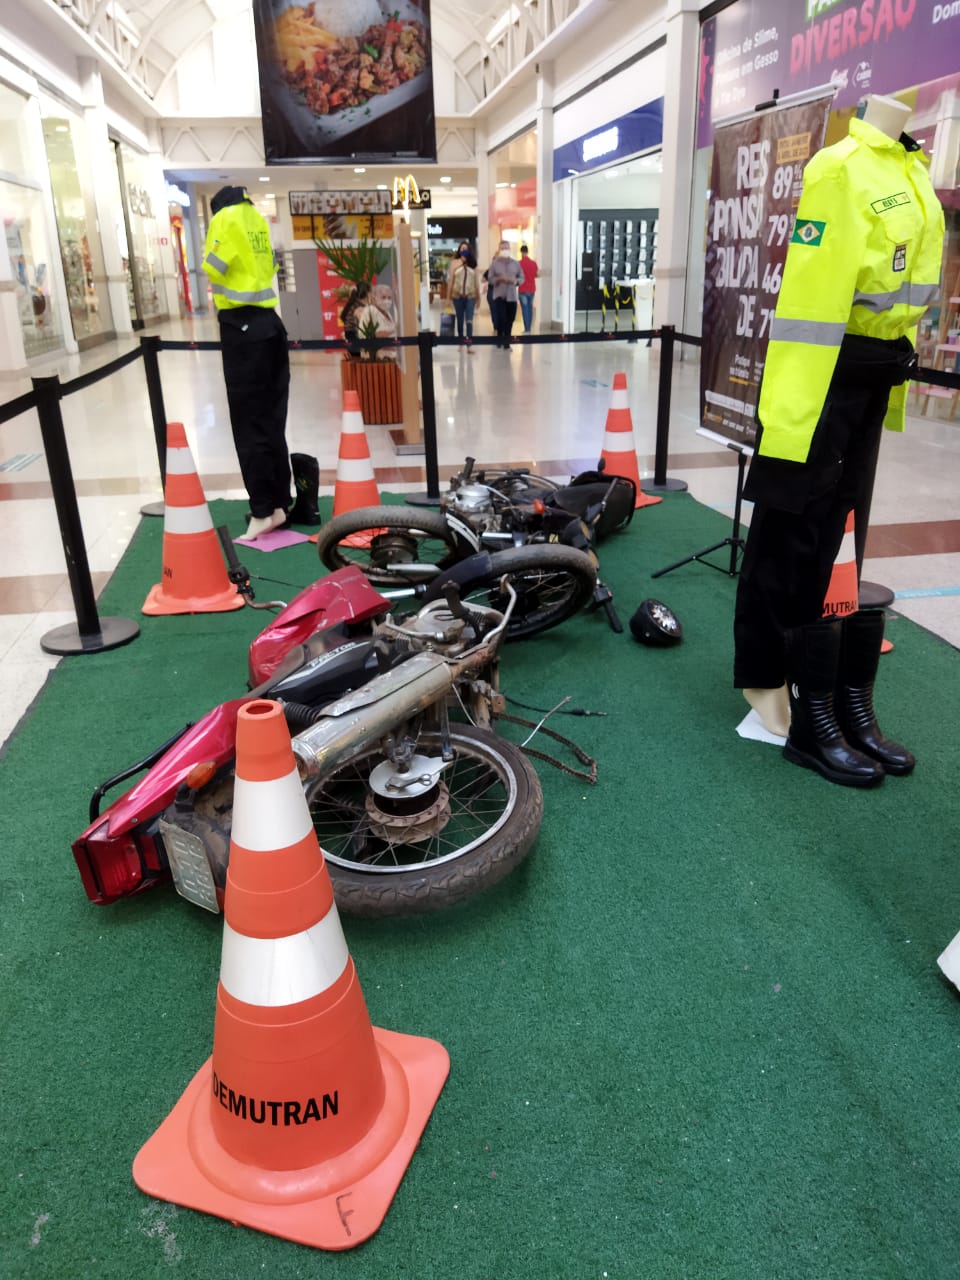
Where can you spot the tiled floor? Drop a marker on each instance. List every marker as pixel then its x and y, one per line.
pixel 543 405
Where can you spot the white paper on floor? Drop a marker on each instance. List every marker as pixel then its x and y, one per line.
pixel 751 726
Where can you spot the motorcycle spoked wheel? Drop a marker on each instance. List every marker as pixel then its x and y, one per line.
pixel 495 810
pixel 494 804
pixel 397 536
pixel 552 582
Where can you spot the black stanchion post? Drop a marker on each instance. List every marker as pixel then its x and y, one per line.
pixel 90 633
pixel 150 346
pixel 425 340
pixel 661 482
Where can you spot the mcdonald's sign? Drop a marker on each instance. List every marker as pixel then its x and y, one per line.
pixel 407 195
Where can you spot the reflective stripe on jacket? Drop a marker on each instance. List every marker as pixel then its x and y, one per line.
pixel 238 258
pixel 864 258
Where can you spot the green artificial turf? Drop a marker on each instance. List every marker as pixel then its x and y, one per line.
pixel 699 1033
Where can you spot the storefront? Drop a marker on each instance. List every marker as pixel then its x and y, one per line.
pixel 445 237
pixel 81 253
pixel 139 237
pixel 512 213
pixel 908 49
pixel 30 242
pixel 607 202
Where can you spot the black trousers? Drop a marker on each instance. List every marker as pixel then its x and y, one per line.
pixel 504 313
pixel 800 510
pixel 256 370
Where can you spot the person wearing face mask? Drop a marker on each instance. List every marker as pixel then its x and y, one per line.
pixel 463 289
pixel 504 277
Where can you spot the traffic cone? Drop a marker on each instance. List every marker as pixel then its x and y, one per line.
pixel 194 578
pixel 619 453
pixel 356 484
pixel 843 596
pixel 304 1120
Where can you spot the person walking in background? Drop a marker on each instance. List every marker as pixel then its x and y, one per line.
pixel 463 290
pixel 528 288
pixel 238 259
pixel 504 278
pixel 348 316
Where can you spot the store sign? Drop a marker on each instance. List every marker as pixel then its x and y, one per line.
pixel 601 144
pixel 639 130
pixel 341 215
pixel 755 186
pixel 407 195
pixel 754 47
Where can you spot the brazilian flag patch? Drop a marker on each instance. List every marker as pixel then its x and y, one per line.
pixel 808 232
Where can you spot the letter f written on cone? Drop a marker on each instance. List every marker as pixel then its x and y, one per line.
pixel 303 1121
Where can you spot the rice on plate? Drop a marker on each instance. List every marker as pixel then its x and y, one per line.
pixel 350 19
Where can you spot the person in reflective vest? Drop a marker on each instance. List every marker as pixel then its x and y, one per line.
pixel 862 266
pixel 238 259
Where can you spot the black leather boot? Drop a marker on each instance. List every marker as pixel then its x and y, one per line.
pixel 306 481
pixel 859 659
pixel 815 739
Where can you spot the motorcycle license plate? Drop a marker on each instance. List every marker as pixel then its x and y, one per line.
pixel 189 866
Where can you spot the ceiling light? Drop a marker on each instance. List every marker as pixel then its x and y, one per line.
pixel 502 184
pixel 446 179
pixel 264 179
pixel 382 186
pixel 360 169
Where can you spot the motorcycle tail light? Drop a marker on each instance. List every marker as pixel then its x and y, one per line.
pixel 113 867
pixel 200 774
pixel 539 506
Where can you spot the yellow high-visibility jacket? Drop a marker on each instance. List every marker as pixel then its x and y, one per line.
pixel 238 258
pixel 864 258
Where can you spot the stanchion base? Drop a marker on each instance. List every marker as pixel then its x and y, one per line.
pixel 113 633
pixel 668 486
pixel 874 596
pixel 423 499
pixel 152 509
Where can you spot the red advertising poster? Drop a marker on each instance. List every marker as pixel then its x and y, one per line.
pixel 758 164
pixel 345 80
pixel 332 297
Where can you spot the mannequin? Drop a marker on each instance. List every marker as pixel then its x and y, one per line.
pixel 890 116
pixel 862 266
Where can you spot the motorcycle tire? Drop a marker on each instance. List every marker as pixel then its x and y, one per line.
pixel 552 582
pixel 475 849
pixel 428 874
pixel 396 536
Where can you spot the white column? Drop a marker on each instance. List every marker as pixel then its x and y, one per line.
pixel 545 237
pixel 679 142
pixel 484 188
pixel 106 192
pixel 166 254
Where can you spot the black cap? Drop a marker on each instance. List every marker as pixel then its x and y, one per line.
pixel 227 196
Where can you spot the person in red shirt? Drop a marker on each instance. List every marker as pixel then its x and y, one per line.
pixel 528 288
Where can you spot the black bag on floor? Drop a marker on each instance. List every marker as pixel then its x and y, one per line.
pixel 589 488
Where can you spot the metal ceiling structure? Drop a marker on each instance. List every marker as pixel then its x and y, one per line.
pixel 487 41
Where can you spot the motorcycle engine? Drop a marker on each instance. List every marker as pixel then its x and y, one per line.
pixel 474 503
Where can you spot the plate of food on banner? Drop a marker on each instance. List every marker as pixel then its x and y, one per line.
pixel 331 67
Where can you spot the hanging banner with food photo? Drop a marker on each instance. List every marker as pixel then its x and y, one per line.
pixel 345 80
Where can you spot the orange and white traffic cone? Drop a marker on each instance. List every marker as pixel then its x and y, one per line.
pixel 356 484
pixel 305 1118
pixel 949 961
pixel 843 595
pixel 194 577
pixel 619 453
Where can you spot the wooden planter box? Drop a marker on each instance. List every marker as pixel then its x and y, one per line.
pixel 377 383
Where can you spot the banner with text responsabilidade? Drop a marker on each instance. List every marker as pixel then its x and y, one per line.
pixel 758 165
pixel 861 46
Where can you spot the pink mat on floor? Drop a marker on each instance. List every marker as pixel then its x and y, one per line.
pixel 274 540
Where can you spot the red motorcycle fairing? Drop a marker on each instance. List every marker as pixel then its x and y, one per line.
pixel 117 855
pixel 343 596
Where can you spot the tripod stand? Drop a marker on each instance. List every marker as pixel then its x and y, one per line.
pixel 734 542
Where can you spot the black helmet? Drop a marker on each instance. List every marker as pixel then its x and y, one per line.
pixel 654 623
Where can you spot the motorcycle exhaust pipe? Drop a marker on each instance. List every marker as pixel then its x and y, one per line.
pixel 360 719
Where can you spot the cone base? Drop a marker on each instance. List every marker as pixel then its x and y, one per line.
pixel 159 603
pixel 343 1216
pixel 645 500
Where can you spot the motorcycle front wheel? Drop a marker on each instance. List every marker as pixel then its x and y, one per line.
pixel 552 582
pixel 393 546
pixel 450 848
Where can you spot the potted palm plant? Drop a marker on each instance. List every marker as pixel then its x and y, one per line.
pixel 373 374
